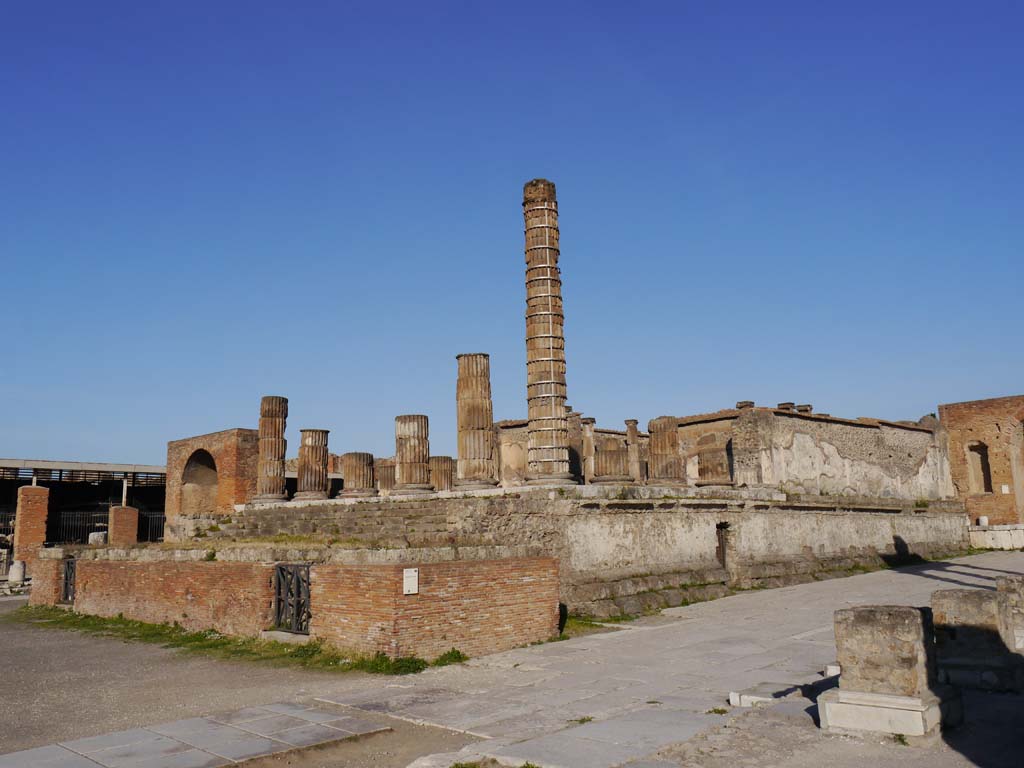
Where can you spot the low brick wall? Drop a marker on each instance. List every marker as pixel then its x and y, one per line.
pixel 480 606
pixel 477 606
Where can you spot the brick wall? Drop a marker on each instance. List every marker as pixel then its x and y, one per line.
pixel 46 583
pixel 123 526
pixel 30 524
pixel 233 598
pixel 235 452
pixel 997 424
pixel 477 606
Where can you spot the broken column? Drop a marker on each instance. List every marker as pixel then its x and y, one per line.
pixel 888 682
pixel 270 479
pixel 611 462
pixel 548 432
pixel 664 464
pixel 412 454
pixel 384 475
pixel 442 472
pixel 357 471
pixel 475 422
pixel 313 480
pixel 588 424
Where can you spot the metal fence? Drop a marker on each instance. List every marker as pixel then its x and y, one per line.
pixel 74 526
pixel 291 598
pixel 151 526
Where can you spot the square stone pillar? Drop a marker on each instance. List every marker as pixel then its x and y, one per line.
pixel 30 523
pixel 888 682
pixel 123 527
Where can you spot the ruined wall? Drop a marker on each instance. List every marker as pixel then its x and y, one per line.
pixel 477 606
pixel 810 454
pixel 995 424
pixel 193 491
pixel 512 449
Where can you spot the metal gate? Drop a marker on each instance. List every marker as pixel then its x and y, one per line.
pixel 291 598
pixel 151 525
pixel 67 586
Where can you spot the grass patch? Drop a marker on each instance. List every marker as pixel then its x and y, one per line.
pixel 582 720
pixel 454 656
pixel 717 711
pixel 312 655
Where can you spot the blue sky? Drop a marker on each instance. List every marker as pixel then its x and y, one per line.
pixel 207 202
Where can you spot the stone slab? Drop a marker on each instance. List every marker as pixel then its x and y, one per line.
pixel 762 693
pixel 855 711
pixel 52 756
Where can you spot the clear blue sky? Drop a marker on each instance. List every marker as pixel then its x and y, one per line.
pixel 205 202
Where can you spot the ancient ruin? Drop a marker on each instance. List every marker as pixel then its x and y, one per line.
pixel 608 522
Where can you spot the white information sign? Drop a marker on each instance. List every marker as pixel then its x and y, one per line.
pixel 411 581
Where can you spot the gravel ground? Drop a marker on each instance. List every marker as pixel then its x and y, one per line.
pixel 61 685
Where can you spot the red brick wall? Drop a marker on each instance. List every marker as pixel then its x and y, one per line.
pixel 46 583
pixel 30 524
pixel 233 598
pixel 997 424
pixel 477 606
pixel 123 526
pixel 235 452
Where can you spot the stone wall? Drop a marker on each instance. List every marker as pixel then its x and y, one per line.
pixel 207 492
pixel 996 426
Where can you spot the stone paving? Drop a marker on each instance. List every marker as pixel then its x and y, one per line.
pixel 598 701
pixel 201 742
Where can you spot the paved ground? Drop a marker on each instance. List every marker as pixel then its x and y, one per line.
pixel 640 691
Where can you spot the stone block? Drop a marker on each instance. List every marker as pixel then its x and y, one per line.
pixel 886 649
pixel 762 693
pixel 844 711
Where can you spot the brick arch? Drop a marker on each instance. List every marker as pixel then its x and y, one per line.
pixel 199 484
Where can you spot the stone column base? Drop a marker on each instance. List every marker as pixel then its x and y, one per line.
pixel 559 480
pixel 357 493
pixel 612 480
pixel 854 711
pixel 405 489
pixel 268 498
pixel 310 496
pixel 475 485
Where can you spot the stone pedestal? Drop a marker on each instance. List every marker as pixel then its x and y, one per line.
pixel 548 431
pixel 357 469
pixel 665 465
pixel 921 716
pixel 313 454
pixel 270 479
pixel 476 449
pixel 412 454
pixel 442 472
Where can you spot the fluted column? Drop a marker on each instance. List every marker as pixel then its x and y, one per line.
pixel 665 466
pixel 357 470
pixel 442 472
pixel 475 422
pixel 412 454
pixel 270 481
pixel 636 465
pixel 384 474
pixel 611 462
pixel 313 481
pixel 548 433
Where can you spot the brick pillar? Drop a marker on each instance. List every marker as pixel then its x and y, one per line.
pixel 123 527
pixel 442 472
pixel 270 481
pixel 412 454
pixel 384 474
pixel 30 523
pixel 587 425
pixel 665 466
pixel 475 422
pixel 611 463
pixel 313 481
pixel 357 469
pixel 548 432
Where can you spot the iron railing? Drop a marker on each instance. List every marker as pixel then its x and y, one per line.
pixel 291 598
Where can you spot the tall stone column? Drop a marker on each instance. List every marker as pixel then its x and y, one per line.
pixel 313 481
pixel 636 465
pixel 357 469
pixel 475 422
pixel 548 446
pixel 270 480
pixel 412 454
pixel 665 463
pixel 442 472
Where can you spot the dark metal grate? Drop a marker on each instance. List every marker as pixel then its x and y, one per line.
pixel 291 598
pixel 67 586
